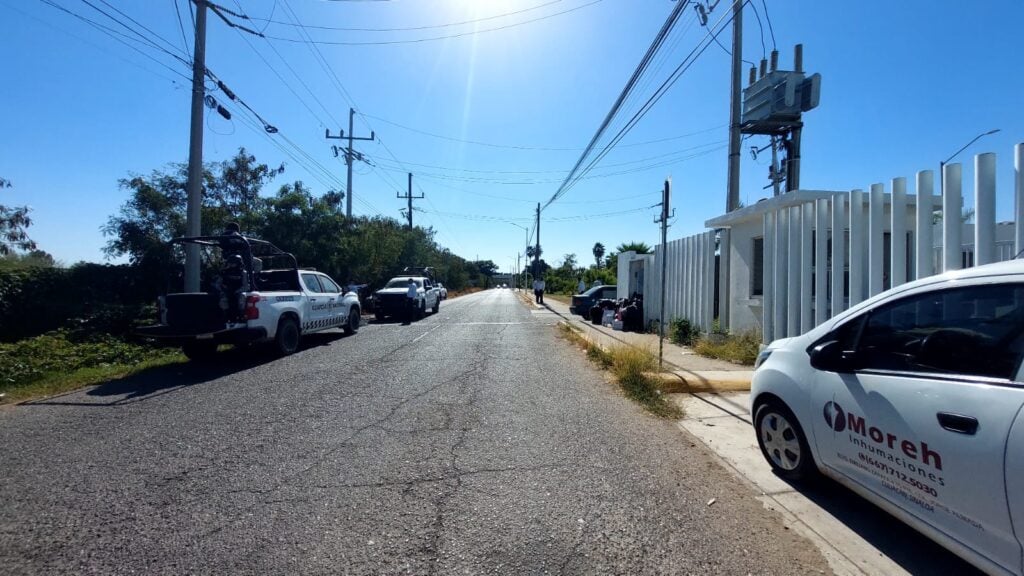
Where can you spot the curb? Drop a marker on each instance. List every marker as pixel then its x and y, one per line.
pixel 688 381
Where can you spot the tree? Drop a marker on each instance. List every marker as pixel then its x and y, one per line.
pixel 13 222
pixel 598 253
pixel 569 263
pixel 638 247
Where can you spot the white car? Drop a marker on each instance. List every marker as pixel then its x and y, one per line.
pixel 913 400
pixel 442 291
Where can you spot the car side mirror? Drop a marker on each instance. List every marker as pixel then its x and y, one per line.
pixel 830 357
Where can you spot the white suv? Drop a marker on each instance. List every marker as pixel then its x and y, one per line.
pixel 912 399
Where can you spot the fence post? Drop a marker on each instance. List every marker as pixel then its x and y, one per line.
pixel 709 281
pixel 876 239
pixel 898 232
pixel 768 279
pixel 951 225
pixel 781 271
pixel 1018 206
pixel 793 278
pixel 925 244
pixel 857 244
pixel 821 262
pixel 984 208
pixel 806 300
pixel 838 252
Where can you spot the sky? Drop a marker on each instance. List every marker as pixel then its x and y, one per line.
pixel 490 104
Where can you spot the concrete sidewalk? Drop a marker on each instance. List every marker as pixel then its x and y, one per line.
pixel 685 371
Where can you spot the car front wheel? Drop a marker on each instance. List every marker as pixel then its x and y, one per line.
pixel 782 441
pixel 352 326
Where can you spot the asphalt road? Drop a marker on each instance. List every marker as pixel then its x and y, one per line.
pixel 473 441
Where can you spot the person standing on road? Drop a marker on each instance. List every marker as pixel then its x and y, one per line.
pixel 411 301
pixel 582 287
pixel 538 290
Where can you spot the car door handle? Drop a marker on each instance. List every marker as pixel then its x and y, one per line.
pixel 312 299
pixel 958 423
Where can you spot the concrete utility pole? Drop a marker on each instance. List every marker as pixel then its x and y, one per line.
pixel 536 248
pixel 665 196
pixel 350 157
pixel 193 215
pixel 409 196
pixel 733 198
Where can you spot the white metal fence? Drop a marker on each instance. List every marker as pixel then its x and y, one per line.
pixel 889 237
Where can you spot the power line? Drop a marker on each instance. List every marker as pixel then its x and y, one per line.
pixel 670 23
pixel 122 38
pixel 181 27
pixel 769 19
pixel 285 82
pixel 410 28
pixel 668 83
pixel 764 51
pixel 102 49
pixel 433 38
pixel 142 36
pixel 538 148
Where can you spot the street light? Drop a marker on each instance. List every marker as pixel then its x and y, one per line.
pixel 942 165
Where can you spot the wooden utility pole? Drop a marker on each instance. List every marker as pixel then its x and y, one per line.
pixel 193 215
pixel 350 156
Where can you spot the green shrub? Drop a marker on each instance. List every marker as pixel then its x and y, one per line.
pixel 31 359
pixel 682 332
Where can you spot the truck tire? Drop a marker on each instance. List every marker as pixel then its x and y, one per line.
pixel 421 310
pixel 199 351
pixel 352 325
pixel 437 305
pixel 288 336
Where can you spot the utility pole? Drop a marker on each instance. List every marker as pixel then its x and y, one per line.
pixel 536 248
pixel 350 156
pixel 409 196
pixel 193 215
pixel 733 198
pixel 665 215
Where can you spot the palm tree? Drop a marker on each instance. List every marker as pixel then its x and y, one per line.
pixel 638 247
pixel 598 253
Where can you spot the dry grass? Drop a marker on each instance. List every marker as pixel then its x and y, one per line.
pixel 741 348
pixel 630 366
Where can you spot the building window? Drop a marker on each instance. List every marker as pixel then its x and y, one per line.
pixel 757 270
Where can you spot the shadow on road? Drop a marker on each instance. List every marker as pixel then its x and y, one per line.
pixel 158 381
pixel 905 546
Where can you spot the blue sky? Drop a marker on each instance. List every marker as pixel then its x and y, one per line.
pixel 490 121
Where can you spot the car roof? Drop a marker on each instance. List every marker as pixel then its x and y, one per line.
pixel 1006 268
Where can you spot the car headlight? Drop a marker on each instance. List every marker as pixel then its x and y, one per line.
pixel 761 357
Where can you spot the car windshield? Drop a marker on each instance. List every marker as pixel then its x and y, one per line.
pixel 401 283
pixel 593 291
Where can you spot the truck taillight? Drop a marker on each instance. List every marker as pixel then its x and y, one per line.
pixel 251 311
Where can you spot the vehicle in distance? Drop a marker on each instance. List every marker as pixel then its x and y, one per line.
pixel 391 299
pixel 582 303
pixel 442 291
pixel 913 400
pixel 244 303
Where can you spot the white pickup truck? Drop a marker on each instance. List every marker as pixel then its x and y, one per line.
pixel 244 303
pixel 392 299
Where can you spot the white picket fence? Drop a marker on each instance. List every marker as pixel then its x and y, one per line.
pixel 889 238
